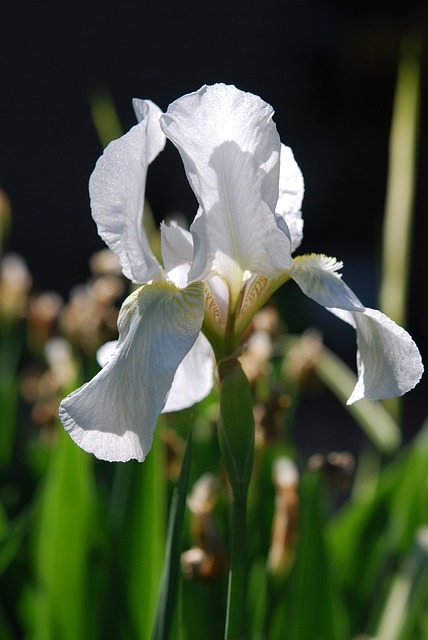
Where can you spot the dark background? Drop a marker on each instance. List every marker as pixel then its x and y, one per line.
pixel 328 69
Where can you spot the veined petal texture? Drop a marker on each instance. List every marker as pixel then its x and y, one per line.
pixel 230 149
pixel 114 415
pixel 117 190
pixel 388 361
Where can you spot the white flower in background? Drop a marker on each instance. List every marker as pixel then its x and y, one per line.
pixel 215 276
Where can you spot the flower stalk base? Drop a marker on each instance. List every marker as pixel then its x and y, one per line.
pixel 236 439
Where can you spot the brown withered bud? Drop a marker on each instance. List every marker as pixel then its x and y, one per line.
pixel 15 285
pixel 46 388
pixel 105 262
pixel 269 416
pixel 284 527
pixel 267 319
pixel 255 358
pixel 302 356
pixel 5 216
pixel 206 559
pixel 336 467
pixel 42 315
pixel 89 318
pixel 197 564
pixel 174 448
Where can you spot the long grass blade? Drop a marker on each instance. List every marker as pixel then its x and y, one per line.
pixel 397 228
pixel 408 597
pixel 170 579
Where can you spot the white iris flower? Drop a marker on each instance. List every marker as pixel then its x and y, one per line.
pixel 194 308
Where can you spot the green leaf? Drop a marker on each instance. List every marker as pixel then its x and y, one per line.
pixel 64 540
pixel 12 534
pixel 374 532
pixel 315 607
pixel 408 597
pixel 140 506
pixel 11 340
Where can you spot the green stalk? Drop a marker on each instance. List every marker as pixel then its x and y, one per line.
pixel 236 440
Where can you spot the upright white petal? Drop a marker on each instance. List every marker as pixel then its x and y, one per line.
pixel 114 415
pixel 194 377
pixel 388 361
pixel 176 245
pixel 117 190
pixel 230 150
pixel 291 190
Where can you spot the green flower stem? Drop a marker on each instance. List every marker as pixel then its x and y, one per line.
pixel 236 591
pixel 236 440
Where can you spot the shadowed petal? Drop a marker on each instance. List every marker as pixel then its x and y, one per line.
pixel 194 377
pixel 230 150
pixel 114 415
pixel 291 190
pixel 177 245
pixel 117 189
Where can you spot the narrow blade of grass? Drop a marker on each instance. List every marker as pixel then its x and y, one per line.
pixel 408 597
pixel 170 578
pixel 141 540
pixel 398 219
pixel 315 607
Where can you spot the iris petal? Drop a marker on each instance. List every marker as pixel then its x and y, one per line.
pixel 317 276
pixel 114 415
pixel 194 377
pixel 291 190
pixel 117 190
pixel 388 361
pixel 230 150
pixel 177 245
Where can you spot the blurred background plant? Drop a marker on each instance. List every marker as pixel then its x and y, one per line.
pixel 337 540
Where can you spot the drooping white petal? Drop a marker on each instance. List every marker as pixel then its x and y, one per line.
pixel 317 276
pixel 114 415
pixel 291 190
pixel 230 150
pixel 388 361
pixel 194 377
pixel 117 189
